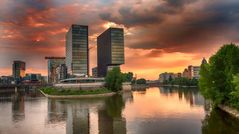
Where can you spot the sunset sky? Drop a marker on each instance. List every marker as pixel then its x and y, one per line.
pixel 160 35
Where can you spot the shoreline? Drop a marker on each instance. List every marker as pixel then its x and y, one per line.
pixel 77 96
pixel 232 111
pixel 177 86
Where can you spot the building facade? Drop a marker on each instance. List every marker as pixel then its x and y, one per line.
pixel 61 72
pixel 94 72
pixel 191 72
pixel 110 50
pixel 53 63
pixel 6 80
pixel 18 69
pixel 166 77
pixel 77 52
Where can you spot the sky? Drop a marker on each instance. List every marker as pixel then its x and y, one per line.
pixel 160 35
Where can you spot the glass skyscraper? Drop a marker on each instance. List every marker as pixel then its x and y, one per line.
pixel 18 69
pixel 77 52
pixel 110 50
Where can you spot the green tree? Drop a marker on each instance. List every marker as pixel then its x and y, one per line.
pixel 141 81
pixel 128 77
pixel 114 79
pixel 216 77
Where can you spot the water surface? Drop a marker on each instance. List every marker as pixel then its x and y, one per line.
pixel 148 111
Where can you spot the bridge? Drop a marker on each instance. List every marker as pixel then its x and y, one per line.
pixel 15 87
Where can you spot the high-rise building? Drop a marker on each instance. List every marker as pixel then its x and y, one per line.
pixel 18 69
pixel 77 52
pixel 94 72
pixel 110 50
pixel 53 63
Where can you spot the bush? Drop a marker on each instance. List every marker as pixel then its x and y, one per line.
pixel 141 81
pixel 56 91
pixel 128 77
pixel 182 81
pixel 114 79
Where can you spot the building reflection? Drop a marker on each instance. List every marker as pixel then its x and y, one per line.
pixel 56 111
pixel 110 118
pixel 18 107
pixel 85 116
pixel 191 95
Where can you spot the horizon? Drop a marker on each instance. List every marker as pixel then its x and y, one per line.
pixel 160 35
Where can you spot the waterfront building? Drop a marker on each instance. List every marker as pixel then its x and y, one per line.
pixel 18 69
pixel 94 72
pixel 6 80
pixel 186 73
pixel 195 72
pixel 84 83
pixel 33 77
pixel 77 51
pixel 166 77
pixel 53 63
pixel 192 72
pixel 177 75
pixel 110 50
pixel 61 72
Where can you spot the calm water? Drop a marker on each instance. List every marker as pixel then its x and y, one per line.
pixel 151 111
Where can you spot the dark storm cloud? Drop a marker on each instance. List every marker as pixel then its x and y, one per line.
pixel 130 17
pixel 182 25
pixel 178 3
pixel 32 29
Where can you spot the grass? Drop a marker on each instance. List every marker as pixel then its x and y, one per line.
pixel 57 91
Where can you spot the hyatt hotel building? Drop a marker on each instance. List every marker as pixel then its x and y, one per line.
pixel 110 50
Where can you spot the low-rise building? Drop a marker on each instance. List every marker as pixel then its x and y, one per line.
pixel 61 72
pixel 166 76
pixel 191 72
pixel 6 80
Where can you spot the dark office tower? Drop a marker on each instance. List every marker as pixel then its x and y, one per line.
pixel 77 52
pixel 110 50
pixel 18 69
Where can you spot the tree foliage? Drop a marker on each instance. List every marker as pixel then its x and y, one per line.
pixel 114 79
pixel 216 77
pixel 182 81
pixel 128 77
pixel 141 81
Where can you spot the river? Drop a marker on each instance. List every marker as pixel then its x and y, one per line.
pixel 154 110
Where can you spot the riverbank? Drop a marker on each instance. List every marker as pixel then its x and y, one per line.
pixel 177 86
pixel 50 92
pixel 77 96
pixel 232 111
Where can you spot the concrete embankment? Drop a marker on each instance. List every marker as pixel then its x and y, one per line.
pixel 232 111
pixel 78 96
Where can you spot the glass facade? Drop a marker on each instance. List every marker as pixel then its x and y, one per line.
pixel 117 46
pixel 18 69
pixel 77 53
pixel 110 48
pixel 53 63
